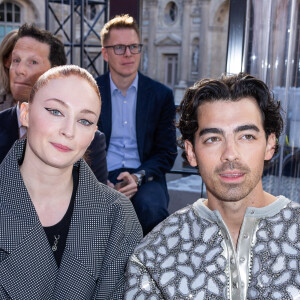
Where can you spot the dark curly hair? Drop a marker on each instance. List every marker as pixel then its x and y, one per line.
pixel 57 56
pixel 228 88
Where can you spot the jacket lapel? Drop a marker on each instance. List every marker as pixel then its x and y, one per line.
pixel 23 243
pixel 144 96
pixel 80 265
pixel 105 123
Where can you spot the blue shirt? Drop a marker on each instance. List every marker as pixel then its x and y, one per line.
pixel 122 151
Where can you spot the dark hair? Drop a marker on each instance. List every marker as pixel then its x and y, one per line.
pixel 228 88
pixel 57 56
pixel 6 48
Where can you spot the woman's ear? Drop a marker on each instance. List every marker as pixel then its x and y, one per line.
pixel 24 114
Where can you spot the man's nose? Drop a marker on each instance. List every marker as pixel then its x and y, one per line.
pixel 20 69
pixel 230 151
pixel 127 51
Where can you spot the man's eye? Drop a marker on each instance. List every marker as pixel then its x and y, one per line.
pixel 134 46
pixel 34 62
pixel 119 47
pixel 248 137
pixel 54 112
pixel 212 139
pixel 85 122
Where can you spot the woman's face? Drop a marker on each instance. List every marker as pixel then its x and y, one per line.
pixel 61 120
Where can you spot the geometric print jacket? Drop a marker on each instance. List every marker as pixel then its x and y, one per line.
pixel 191 255
pixel 103 232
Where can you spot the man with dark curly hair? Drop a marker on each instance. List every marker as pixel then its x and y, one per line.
pixel 241 242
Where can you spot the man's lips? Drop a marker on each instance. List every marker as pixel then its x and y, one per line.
pixel 232 175
pixel 128 63
pixel 21 83
pixel 61 147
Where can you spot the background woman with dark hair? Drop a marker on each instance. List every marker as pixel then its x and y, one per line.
pixel 6 48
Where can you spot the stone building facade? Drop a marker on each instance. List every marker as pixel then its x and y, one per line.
pixel 184 40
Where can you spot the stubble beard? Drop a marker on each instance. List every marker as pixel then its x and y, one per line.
pixel 232 192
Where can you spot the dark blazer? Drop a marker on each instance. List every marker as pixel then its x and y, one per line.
pixel 9 133
pixel 155 124
pixel 103 232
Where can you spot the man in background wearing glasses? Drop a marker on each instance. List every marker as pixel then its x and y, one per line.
pixel 137 118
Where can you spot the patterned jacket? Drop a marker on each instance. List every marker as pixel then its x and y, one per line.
pixel 103 233
pixel 191 255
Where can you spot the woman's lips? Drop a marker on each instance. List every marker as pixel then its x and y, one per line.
pixel 61 147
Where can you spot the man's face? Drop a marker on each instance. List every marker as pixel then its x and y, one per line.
pixel 229 149
pixel 125 65
pixel 30 59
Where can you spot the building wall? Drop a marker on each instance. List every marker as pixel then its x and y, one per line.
pixel 193 31
pixel 184 40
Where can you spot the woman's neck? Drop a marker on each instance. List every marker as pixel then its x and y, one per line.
pixel 49 188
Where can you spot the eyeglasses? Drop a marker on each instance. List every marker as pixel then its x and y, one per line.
pixel 121 49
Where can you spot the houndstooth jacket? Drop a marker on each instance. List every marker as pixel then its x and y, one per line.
pixel 103 233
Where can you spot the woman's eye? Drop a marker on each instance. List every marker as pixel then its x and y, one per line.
pixel 85 122
pixel 54 112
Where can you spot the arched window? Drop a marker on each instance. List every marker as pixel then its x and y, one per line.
pixel 10 18
pixel 171 12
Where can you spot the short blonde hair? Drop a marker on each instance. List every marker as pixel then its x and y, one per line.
pixel 118 22
pixel 63 72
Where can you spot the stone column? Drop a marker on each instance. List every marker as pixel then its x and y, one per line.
pixel 204 58
pixel 152 61
pixel 185 47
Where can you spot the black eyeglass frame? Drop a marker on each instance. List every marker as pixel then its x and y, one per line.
pixel 139 47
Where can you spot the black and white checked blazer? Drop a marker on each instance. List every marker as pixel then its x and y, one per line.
pixel 103 232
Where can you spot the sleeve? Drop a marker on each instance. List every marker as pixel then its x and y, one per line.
pixel 96 157
pixel 138 282
pixel 164 149
pixel 125 234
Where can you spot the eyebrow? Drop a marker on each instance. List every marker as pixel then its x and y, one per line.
pixel 211 130
pixel 86 111
pixel 221 131
pixel 246 127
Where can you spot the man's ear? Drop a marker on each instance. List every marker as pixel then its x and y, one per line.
pixel 104 54
pixel 24 114
pixel 190 154
pixel 271 145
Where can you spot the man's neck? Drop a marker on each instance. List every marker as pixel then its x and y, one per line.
pixel 122 83
pixel 233 212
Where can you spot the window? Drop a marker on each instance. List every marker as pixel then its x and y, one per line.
pixel 171 61
pixel 10 18
pixel 171 12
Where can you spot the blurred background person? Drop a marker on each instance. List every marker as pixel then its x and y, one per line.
pixel 35 52
pixel 6 48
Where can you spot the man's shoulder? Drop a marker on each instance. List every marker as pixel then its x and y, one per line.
pixel 146 81
pixel 102 78
pixel 8 121
pixel 184 227
pixel 7 113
